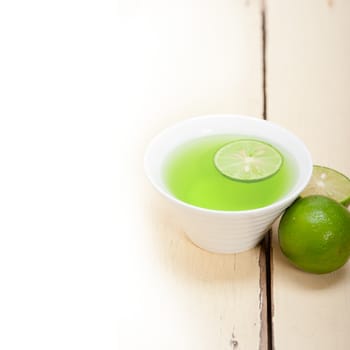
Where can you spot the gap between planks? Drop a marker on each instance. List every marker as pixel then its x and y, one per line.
pixel 265 295
pixel 266 330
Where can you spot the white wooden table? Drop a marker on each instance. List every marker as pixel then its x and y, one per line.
pixel 89 256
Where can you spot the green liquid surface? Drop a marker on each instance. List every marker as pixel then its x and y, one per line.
pixel 191 176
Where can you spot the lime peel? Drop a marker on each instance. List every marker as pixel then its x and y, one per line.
pixel 314 234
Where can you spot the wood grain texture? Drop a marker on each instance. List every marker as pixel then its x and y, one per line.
pixel 308 81
pixel 181 59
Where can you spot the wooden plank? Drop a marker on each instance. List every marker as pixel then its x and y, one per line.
pixel 183 59
pixel 308 79
pixel 88 258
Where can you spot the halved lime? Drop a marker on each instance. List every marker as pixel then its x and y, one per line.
pixel 330 183
pixel 248 160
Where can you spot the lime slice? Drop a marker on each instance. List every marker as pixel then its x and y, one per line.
pixel 248 160
pixel 330 183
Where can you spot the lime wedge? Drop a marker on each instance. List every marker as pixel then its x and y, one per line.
pixel 248 160
pixel 330 183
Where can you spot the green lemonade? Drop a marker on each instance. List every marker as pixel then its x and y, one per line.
pixel 191 176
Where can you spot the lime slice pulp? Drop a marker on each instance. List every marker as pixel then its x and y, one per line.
pixel 248 160
pixel 330 183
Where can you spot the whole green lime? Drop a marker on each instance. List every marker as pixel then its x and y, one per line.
pixel 314 234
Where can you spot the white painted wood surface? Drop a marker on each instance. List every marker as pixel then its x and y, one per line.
pixel 308 81
pixel 89 259
pixel 184 59
pixel 89 256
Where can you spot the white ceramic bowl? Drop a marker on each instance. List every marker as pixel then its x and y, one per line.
pixel 216 230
